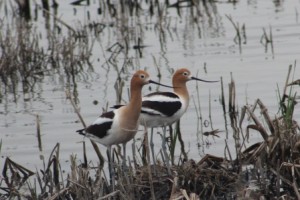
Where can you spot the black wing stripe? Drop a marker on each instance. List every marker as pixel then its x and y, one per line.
pixel 165 108
pixel 99 130
pixel 167 94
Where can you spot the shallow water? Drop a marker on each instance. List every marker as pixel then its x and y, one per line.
pixel 207 48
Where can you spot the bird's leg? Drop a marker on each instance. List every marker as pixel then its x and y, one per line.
pixel 167 160
pixel 152 151
pixel 124 156
pixel 111 168
pixel 152 147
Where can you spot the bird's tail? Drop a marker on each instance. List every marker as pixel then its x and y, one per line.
pixel 81 131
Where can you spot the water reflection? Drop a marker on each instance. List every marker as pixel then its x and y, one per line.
pixel 90 50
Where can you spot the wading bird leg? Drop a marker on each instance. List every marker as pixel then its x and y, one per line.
pixel 124 156
pixel 152 150
pixel 152 147
pixel 111 168
pixel 167 159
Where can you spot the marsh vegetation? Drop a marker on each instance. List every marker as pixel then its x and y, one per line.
pixel 46 56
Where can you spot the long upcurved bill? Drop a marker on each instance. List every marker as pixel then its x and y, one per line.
pixel 150 81
pixel 198 79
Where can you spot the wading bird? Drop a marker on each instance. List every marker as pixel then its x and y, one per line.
pixel 161 109
pixel 120 125
pixel 164 108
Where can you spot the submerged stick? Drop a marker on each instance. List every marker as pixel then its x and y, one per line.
pixel 209 111
pixel 38 130
pixel 198 112
pixel 223 97
pixel 224 106
pixel 286 82
pixel 231 106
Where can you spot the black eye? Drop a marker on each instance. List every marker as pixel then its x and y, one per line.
pixel 142 76
pixel 185 73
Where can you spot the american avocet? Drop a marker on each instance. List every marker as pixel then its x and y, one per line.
pixel 164 108
pixel 120 125
pixel 160 109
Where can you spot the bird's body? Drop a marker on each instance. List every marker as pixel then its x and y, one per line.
pixel 120 125
pixel 112 128
pixel 161 109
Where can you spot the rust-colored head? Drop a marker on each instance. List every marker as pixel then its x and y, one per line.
pixel 141 78
pixel 183 75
